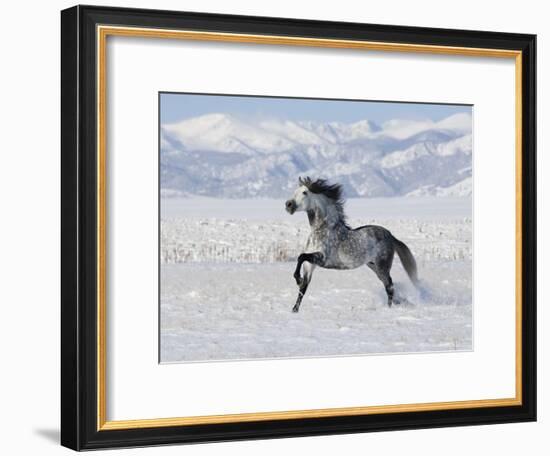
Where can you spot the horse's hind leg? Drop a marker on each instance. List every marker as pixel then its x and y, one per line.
pixel 308 272
pixel 382 270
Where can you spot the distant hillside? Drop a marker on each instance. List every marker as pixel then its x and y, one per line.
pixel 224 156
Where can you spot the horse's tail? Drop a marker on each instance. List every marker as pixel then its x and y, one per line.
pixel 407 260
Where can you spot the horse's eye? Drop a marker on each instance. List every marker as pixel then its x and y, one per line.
pixel 304 192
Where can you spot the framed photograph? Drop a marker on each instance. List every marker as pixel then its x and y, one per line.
pixel 278 227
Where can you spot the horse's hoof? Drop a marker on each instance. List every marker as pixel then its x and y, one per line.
pixel 295 309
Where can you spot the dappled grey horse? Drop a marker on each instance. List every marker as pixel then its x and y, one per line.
pixel 333 244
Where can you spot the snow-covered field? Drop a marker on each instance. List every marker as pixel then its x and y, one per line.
pixel 227 289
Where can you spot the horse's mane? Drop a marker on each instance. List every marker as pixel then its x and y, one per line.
pixel 334 192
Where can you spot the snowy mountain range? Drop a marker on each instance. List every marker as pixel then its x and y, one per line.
pixel 222 155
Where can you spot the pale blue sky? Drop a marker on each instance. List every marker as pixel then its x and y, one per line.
pixel 175 107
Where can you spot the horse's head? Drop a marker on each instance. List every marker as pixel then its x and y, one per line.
pixel 302 199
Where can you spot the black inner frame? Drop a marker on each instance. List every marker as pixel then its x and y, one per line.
pixel 79 220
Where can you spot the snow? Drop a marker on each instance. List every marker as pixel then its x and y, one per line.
pixel 223 155
pixel 461 145
pixel 400 157
pixel 226 133
pixel 402 129
pixel 266 209
pixel 460 122
pixel 227 311
pixel 227 289
pixel 462 188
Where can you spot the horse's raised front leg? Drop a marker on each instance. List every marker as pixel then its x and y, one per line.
pixel 308 273
pixel 316 258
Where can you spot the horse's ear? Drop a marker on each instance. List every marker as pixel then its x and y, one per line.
pixel 305 181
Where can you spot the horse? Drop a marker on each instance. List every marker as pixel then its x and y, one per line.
pixel 333 244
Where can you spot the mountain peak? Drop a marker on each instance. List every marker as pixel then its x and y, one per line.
pixel 366 125
pixel 220 154
pixel 459 122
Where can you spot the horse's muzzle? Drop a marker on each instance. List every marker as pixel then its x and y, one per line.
pixel 290 206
